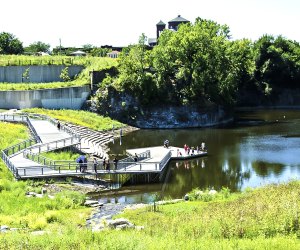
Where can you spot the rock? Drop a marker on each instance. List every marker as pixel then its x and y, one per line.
pixel 212 192
pixel 118 222
pixel 90 203
pixel 186 197
pixel 139 228
pixel 4 228
pixel 198 193
pixel 38 232
pixel 121 227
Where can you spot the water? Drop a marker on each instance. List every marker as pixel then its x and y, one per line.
pixel 261 147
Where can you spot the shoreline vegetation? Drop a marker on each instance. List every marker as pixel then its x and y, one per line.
pixel 261 218
pixel 79 117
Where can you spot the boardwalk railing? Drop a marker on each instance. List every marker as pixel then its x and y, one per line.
pixel 31 150
pixel 9 164
pixel 55 122
pixel 165 160
pixel 10 151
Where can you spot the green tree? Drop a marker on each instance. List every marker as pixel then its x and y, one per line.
pixel 9 44
pixel 64 75
pixel 277 62
pixel 25 75
pixel 38 47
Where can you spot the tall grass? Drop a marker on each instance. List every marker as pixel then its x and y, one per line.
pixel 26 60
pixel 35 86
pixel 61 155
pixel 79 117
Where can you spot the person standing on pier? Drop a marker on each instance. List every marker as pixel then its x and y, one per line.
pixel 116 163
pixel 135 157
pixel 104 164
pixel 108 165
pixel 95 164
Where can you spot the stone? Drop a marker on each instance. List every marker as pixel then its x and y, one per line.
pixel 186 197
pixel 90 203
pixel 117 222
pixel 4 228
pixel 38 232
pixel 139 228
pixel 212 192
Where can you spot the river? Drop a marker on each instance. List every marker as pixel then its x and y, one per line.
pixel 259 148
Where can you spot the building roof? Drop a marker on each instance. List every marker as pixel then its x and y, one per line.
pixel 178 19
pixel 160 23
pixel 152 40
pixel 114 52
pixel 78 53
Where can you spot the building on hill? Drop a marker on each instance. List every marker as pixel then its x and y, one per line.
pixel 113 54
pixel 172 25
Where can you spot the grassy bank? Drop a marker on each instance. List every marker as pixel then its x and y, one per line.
pixel 263 218
pixel 266 218
pixel 79 117
pixel 31 213
pixel 89 63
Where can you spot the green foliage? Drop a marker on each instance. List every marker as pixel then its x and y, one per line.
pixel 61 155
pixel 277 63
pixel 9 44
pixel 197 64
pixel 64 75
pixel 25 75
pixel 37 47
pixel 79 117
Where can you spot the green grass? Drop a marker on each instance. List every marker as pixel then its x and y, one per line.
pixel 35 86
pixel 263 218
pixel 89 63
pixel 17 210
pixel 65 155
pixel 79 117
pixel 26 60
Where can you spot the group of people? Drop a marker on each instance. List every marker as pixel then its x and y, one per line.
pixel 192 150
pixel 83 163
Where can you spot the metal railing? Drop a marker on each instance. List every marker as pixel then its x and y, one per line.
pixel 10 151
pixel 30 150
pixel 165 160
pixel 9 164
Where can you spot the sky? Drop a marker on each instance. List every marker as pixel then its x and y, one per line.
pixel 120 22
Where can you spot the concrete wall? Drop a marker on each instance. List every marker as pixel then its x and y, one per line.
pixel 62 98
pixel 40 74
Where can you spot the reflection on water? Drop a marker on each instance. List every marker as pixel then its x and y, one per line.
pixel 261 147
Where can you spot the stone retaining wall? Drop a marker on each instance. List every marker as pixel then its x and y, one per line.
pixel 61 98
pixel 39 74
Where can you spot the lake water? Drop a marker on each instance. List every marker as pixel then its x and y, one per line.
pixel 259 148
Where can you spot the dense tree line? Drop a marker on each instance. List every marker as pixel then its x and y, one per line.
pixel 200 64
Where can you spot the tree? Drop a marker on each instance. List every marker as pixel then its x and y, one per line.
pixel 25 75
pixel 277 62
pixel 9 44
pixel 64 75
pixel 38 47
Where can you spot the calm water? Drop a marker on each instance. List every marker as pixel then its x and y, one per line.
pixel 261 147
